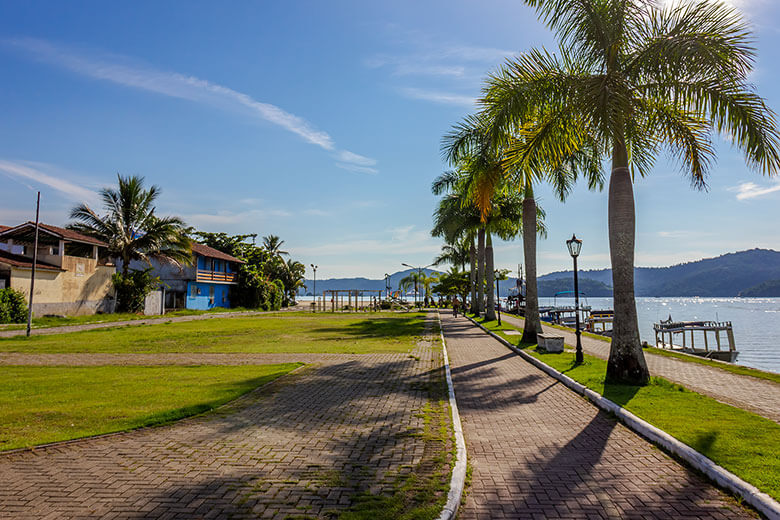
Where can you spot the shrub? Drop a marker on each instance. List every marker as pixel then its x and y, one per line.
pixel 13 306
pixel 131 291
pixel 278 295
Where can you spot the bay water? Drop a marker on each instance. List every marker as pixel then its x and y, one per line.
pixel 756 321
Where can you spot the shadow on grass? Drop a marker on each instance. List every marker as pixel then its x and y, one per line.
pixel 375 328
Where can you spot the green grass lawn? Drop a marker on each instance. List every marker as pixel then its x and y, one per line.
pixel 283 332
pixel 742 442
pixel 39 405
pixel 690 358
pixel 45 322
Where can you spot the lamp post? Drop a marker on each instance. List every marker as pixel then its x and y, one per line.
pixel 575 245
pixel 498 298
pixel 314 290
pixel 419 276
pixel 387 286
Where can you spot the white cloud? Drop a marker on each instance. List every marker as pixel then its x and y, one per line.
pixel 357 169
pixel 445 98
pixel 353 158
pixel 24 172
pixel 222 218
pixel 117 69
pixel 751 190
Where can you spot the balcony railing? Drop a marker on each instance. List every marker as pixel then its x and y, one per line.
pixel 216 276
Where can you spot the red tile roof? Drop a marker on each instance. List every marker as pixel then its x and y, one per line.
pixel 15 260
pixel 3 228
pixel 210 252
pixel 62 233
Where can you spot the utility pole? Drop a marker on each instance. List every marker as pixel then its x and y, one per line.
pixel 34 263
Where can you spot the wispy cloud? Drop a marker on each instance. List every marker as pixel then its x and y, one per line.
pixel 445 98
pixel 751 190
pixel 357 169
pixel 120 70
pixel 33 176
pixel 222 218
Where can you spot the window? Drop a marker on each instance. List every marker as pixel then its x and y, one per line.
pixel 193 291
pixel 211 295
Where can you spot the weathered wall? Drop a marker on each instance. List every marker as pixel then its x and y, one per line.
pixel 83 288
pixel 153 304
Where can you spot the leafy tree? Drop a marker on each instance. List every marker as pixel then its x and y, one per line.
pixel 452 283
pixel 133 231
pixel 133 288
pixel 273 244
pixel 631 79
pixel 13 306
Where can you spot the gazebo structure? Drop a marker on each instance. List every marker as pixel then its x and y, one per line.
pixel 352 300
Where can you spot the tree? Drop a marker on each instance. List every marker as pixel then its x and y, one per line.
pixel 294 278
pixel 475 137
pixel 133 231
pixel 452 283
pixel 455 254
pixel 273 244
pixel 632 78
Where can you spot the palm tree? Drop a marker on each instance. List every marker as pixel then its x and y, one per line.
pixel 130 227
pixel 294 278
pixel 273 244
pixel 632 78
pixel 476 137
pixel 456 254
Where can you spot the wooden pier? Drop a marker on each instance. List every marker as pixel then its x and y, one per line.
pixel 672 329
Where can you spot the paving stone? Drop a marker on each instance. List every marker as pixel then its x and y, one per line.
pixel 538 450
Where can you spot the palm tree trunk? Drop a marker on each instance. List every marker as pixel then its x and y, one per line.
pixel 626 360
pixel 480 271
pixel 473 276
pixel 490 275
pixel 533 324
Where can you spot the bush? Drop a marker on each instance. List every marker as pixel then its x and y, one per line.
pixel 255 292
pixel 131 291
pixel 13 306
pixel 278 296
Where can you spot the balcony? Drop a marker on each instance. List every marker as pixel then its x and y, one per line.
pixel 216 276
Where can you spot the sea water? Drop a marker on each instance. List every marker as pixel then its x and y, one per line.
pixel 756 321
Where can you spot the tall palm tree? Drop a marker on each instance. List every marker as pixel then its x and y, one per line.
pixel 455 254
pixel 273 244
pixel 633 78
pixel 130 227
pixel 477 137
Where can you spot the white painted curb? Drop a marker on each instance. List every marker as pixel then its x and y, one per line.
pixel 762 502
pixel 458 479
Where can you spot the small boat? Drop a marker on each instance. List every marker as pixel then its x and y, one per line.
pixel 600 322
pixel 679 329
pixel 565 315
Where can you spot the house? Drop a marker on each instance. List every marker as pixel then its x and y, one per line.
pixel 72 274
pixel 203 285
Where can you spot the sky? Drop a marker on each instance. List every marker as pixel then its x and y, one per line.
pixel 320 122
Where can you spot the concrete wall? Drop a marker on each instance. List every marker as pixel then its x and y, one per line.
pixel 84 288
pixel 153 304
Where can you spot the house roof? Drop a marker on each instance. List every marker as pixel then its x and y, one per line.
pixel 210 252
pixel 3 228
pixel 56 231
pixel 23 262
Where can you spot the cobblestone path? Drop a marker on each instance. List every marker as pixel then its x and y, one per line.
pixel 300 447
pixel 85 359
pixel 749 393
pixel 540 451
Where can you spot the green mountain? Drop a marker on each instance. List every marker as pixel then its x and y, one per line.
pixel 769 289
pixel 731 274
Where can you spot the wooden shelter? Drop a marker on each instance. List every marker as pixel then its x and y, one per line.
pixel 352 300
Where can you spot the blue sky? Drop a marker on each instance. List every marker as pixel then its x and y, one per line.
pixel 319 122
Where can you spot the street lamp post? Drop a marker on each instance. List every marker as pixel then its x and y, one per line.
pixel 498 301
pixel 314 290
pixel 575 245
pixel 419 276
pixel 387 286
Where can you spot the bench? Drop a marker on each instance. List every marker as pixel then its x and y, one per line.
pixel 550 343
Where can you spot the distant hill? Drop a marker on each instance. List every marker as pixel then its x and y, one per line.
pixel 725 275
pixel 768 289
pixel 755 272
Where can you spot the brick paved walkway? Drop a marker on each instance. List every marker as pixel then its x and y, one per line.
pixel 196 358
pixel 540 451
pixel 298 448
pixel 760 396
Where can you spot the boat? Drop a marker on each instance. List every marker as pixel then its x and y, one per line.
pixel 565 314
pixel 680 329
pixel 600 322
